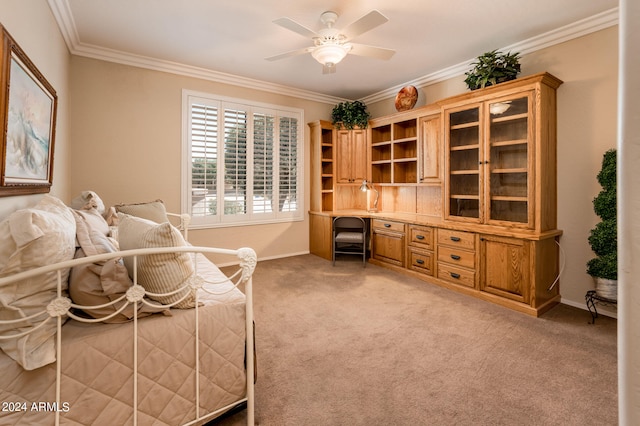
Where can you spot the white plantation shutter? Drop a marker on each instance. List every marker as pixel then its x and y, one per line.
pixel 204 158
pixel 235 162
pixel 242 162
pixel 263 167
pixel 288 165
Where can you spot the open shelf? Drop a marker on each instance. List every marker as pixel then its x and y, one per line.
pixel 394 152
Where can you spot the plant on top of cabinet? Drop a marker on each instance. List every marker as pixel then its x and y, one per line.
pixel 492 68
pixel 603 238
pixel 350 115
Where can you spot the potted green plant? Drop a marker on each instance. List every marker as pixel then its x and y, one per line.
pixel 350 115
pixel 492 68
pixel 603 238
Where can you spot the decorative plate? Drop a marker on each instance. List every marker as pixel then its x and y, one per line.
pixel 406 98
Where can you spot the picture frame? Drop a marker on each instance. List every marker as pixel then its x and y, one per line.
pixel 28 106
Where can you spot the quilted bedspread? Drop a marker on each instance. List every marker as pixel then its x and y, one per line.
pixel 97 369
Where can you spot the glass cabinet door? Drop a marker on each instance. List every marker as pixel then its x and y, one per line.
pixel 507 161
pixel 464 152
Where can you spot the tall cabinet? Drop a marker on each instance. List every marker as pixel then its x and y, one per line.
pixel 339 164
pixel 501 156
pixel 500 182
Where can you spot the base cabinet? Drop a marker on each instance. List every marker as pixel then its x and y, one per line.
pixel 320 235
pixel 505 267
pixel 388 242
pixel 420 256
pixel 457 257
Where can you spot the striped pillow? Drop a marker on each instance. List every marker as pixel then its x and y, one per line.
pixel 158 273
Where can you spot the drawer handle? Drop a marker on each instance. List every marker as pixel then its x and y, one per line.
pixel 387 225
pixel 456 239
pixel 420 261
pixel 455 257
pixel 454 275
pixel 420 237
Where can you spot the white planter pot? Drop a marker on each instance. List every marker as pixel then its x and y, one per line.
pixel 607 288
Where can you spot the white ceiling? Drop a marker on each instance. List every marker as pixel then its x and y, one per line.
pixel 227 40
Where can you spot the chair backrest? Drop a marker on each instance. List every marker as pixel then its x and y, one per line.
pixel 349 222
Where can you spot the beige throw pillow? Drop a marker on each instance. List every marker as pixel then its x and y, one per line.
pixel 153 210
pixel 30 238
pixel 95 284
pixel 158 273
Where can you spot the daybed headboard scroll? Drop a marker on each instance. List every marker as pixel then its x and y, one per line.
pixel 248 262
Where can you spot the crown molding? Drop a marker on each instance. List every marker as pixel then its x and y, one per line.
pixel 62 14
pixel 64 18
pixel 577 29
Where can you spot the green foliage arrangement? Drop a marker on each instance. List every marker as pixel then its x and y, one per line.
pixel 492 68
pixel 350 115
pixel 604 237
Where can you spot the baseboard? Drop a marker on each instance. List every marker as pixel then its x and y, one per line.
pixel 279 256
pixel 583 306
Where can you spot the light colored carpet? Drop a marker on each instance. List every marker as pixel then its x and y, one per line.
pixel 345 345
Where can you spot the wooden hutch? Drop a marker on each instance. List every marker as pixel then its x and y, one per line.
pixel 467 187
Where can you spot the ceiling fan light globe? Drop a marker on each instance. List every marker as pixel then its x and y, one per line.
pixel 329 54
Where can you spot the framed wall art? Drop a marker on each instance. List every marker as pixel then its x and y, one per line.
pixel 28 106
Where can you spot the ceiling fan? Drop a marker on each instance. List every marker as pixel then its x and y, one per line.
pixel 331 45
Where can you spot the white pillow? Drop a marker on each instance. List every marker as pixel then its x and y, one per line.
pixel 158 273
pixel 31 238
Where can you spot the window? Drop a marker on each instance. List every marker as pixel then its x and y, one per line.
pixel 242 162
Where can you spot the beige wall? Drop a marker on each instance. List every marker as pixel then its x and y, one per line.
pixel 587 111
pixel 126 136
pixel 47 50
pixel 126 129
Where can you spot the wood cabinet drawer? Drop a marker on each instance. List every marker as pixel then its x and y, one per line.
pixel 388 225
pixel 456 275
pixel 464 240
pixel 421 261
pixel 421 236
pixel 457 257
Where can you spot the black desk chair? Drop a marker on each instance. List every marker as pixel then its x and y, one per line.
pixel 350 237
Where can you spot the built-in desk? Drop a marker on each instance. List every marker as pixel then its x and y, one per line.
pixel 517 268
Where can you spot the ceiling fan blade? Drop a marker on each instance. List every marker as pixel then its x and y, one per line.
pixel 364 24
pixel 292 25
pixel 289 54
pixel 371 51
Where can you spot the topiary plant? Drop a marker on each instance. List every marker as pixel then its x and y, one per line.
pixel 604 237
pixel 492 68
pixel 350 114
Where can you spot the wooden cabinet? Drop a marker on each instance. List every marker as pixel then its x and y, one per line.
pixel 501 155
pixel 322 166
pixel 520 270
pixel 388 241
pixel 351 156
pixel 321 235
pixel 337 157
pixel 420 249
pixel 430 147
pixel 457 257
pixel 394 150
pixel 484 162
pixel 505 267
